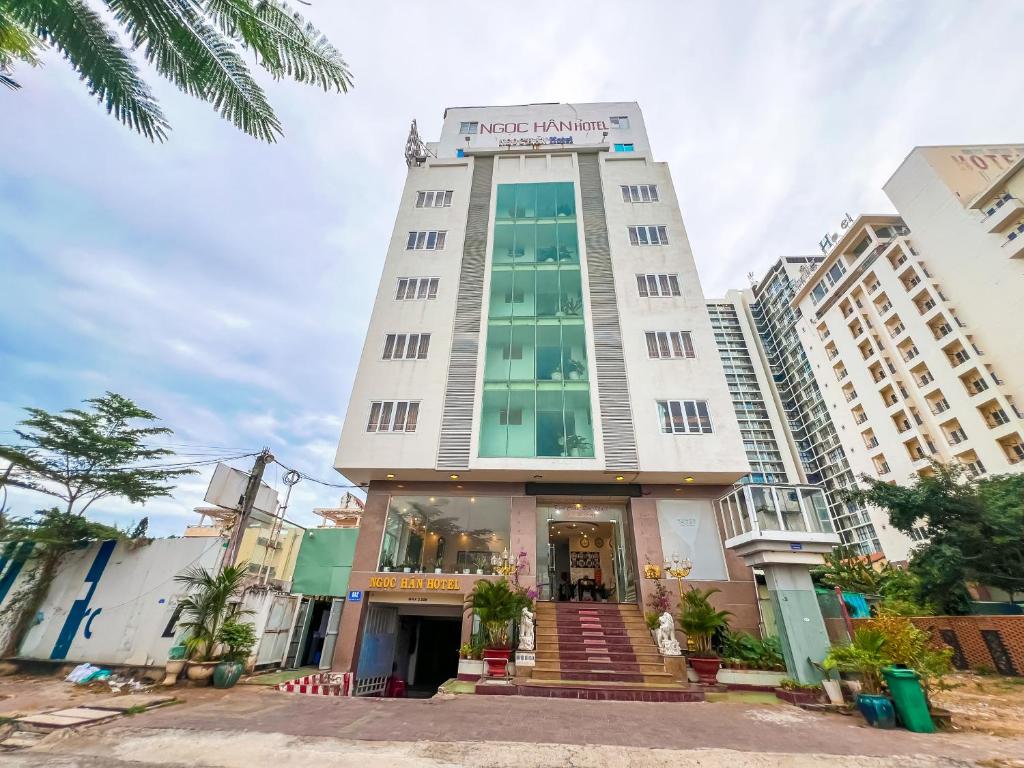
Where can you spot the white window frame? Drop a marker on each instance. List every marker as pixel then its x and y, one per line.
pixel 406 346
pixel 685 418
pixel 639 193
pixel 434 198
pixel 647 234
pixel 663 281
pixel 393 408
pixel 468 127
pixel 421 288
pixel 619 122
pixel 426 240
pixel 670 345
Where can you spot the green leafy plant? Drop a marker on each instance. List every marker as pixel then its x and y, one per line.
pixel 238 639
pixel 699 619
pixel 387 562
pixel 910 646
pixel 466 651
pixel 196 45
pixel 573 305
pixel 746 650
pixel 864 656
pixel 577 443
pixel 789 684
pixel 496 604
pixel 651 619
pixel 210 603
pixel 575 366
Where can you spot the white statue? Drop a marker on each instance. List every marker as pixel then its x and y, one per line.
pixel 665 636
pixel 526 630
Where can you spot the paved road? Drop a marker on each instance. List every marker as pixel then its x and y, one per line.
pixel 246 727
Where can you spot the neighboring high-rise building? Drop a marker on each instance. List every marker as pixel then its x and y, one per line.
pixel 540 393
pixel 808 419
pixel 769 446
pixel 896 347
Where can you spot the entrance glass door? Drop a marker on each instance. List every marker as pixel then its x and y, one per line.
pixel 582 553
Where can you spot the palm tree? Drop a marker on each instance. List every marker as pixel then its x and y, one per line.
pixel 195 44
pixel 207 606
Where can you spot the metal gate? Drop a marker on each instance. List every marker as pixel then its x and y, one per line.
pixel 377 653
pixel 298 637
pixel 274 642
pixel 331 638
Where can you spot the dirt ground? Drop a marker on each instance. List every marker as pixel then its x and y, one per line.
pixel 252 726
pixel 987 704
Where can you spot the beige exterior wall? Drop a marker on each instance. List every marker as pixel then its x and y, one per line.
pixel 907 352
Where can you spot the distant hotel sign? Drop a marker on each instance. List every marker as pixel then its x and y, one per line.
pixel 828 241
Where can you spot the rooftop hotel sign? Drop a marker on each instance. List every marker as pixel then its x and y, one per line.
pixel 545 126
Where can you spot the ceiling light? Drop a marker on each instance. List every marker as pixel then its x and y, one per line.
pixel 689 478
pixel 579 506
pixel 454 477
pixel 432 499
pixel 620 478
pixel 390 475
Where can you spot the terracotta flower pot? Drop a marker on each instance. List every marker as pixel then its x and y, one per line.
pixel 200 672
pixel 172 669
pixel 706 669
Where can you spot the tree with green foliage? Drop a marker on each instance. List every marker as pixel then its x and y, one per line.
pixel 54 533
pixel 213 600
pixel 974 529
pixel 82 455
pixel 195 44
pixel 849 570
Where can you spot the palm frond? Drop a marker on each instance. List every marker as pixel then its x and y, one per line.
pixel 192 54
pixel 108 71
pixel 285 44
pixel 16 44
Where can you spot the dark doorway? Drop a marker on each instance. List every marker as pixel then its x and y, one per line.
pixel 427 653
pixel 314 645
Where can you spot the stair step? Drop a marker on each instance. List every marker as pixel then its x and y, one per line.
pixel 576 689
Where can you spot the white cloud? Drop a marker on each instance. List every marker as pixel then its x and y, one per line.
pixel 226 284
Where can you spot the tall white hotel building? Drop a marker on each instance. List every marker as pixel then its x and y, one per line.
pixel 539 382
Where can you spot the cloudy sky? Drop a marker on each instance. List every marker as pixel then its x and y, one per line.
pixel 226 284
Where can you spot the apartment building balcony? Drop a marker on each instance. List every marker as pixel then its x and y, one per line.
pixel 909 353
pixel 832 352
pixel 1002 212
pixel 1014 243
pixel 884 308
pixel 850 395
pixel 911 282
pixel 971 464
pixel 941 330
pixel 1013 447
pixel 974 383
pixel 896 330
pixel 954 434
pixel 882 468
pixel 925 379
pixel 860 418
pixel 870 442
pixel 898 258
pixel 925 305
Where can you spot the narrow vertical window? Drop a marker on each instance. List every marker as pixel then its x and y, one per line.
pixel 400 408
pixel 421 292
pixel 641 284
pixel 410 417
pixel 385 416
pixel 401 288
pixel 399 351
pixel 424 346
pixel 652 344
pixel 432 292
pixel 371 425
pixel 674 282
pixel 389 345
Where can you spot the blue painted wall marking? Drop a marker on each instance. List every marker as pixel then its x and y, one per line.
pixel 80 608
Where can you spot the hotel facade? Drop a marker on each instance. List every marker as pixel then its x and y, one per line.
pixel 540 386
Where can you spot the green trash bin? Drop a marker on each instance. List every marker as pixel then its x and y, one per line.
pixel 908 698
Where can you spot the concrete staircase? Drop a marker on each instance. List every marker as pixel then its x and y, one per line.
pixel 599 651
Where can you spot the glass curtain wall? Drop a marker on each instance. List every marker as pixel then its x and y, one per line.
pixel 536 374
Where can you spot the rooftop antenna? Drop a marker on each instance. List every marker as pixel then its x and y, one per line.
pixel 415 149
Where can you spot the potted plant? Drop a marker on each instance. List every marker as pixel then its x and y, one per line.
pixel 556 374
pixel 572 306
pixel 471 666
pixel 577 444
pixel 751 662
pixel 408 565
pixel 576 370
pixel 211 601
pixel 238 639
pixel 699 619
pixel 497 605
pixel 438 565
pixel 387 563
pixel 865 655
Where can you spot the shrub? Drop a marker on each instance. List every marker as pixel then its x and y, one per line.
pixel 238 639
pixel 497 604
pixel 699 619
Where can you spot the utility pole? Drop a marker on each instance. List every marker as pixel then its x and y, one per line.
pixel 248 500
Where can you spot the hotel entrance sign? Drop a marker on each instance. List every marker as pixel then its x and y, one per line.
pixel 430 583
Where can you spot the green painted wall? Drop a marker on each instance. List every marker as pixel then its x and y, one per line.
pixel 325 561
